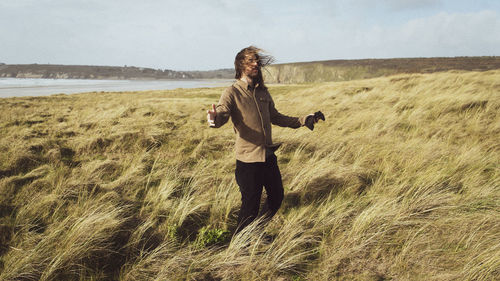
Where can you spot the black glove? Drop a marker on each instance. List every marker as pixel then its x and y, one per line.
pixel 311 119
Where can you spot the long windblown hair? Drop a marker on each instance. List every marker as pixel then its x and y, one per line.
pixel 264 60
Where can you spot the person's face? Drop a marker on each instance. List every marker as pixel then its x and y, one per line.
pixel 251 66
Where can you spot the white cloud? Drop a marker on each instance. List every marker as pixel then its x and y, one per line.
pixel 443 34
pixel 411 4
pixel 195 34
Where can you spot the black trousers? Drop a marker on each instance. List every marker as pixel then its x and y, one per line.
pixel 251 178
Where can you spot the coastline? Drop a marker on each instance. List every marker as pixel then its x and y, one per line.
pixel 25 87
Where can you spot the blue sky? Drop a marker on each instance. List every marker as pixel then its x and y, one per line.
pixel 203 35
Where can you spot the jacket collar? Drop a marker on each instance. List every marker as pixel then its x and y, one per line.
pixel 244 84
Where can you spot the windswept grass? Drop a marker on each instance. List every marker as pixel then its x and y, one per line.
pixel 402 182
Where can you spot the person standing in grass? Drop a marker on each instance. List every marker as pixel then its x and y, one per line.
pixel 252 112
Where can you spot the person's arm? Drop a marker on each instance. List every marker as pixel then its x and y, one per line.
pixel 219 115
pixel 283 120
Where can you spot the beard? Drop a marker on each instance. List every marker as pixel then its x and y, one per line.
pixel 252 72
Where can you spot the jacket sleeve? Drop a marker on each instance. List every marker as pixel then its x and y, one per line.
pixel 224 108
pixel 283 120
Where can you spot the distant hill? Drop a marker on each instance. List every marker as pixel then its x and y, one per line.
pixel 105 72
pixel 342 70
pixel 301 72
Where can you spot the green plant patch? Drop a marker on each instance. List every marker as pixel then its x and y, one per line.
pixel 211 236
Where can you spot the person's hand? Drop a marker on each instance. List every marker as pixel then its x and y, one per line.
pixel 211 116
pixel 312 119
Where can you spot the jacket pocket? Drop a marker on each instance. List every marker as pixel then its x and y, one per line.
pixel 264 103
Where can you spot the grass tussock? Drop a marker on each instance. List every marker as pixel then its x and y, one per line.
pixel 402 182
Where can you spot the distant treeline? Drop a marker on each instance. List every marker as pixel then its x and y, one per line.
pixel 302 72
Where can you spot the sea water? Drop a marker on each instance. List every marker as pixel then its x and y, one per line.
pixel 21 87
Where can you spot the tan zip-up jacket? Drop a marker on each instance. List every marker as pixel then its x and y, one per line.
pixel 252 112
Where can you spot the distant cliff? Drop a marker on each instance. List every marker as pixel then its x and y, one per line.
pixel 303 72
pixel 341 70
pixel 105 72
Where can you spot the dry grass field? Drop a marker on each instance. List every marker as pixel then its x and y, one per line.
pixel 402 182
